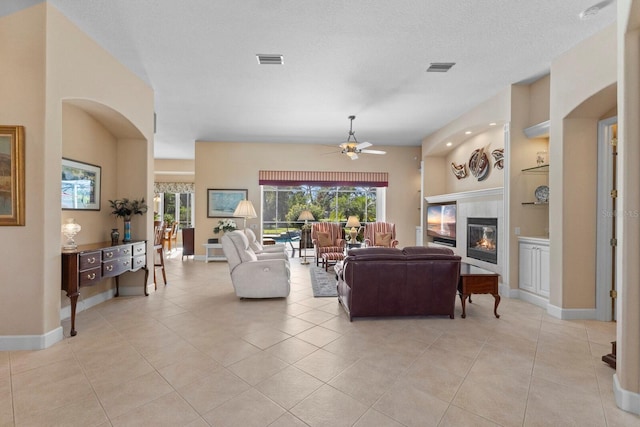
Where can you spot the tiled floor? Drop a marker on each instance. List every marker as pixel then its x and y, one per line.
pixel 194 354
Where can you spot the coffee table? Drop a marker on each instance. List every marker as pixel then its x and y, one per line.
pixel 475 280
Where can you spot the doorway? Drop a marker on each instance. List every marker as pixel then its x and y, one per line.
pixel 607 220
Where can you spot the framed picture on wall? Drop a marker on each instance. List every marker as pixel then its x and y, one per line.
pixel 222 203
pixel 12 175
pixel 80 185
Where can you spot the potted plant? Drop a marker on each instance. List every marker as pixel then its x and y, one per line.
pixel 225 225
pixel 124 208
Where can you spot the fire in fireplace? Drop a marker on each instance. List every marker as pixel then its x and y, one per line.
pixel 482 239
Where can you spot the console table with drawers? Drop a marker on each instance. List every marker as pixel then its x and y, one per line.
pixel 89 264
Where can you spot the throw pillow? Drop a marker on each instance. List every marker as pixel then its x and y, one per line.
pixel 383 239
pixel 324 240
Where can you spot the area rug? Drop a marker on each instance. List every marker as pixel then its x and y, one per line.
pixel 323 282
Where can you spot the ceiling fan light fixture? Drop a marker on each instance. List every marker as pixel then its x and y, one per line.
pixel 353 148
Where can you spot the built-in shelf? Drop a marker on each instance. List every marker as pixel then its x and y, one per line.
pixel 453 197
pixel 541 169
pixel 535 203
pixel 541 130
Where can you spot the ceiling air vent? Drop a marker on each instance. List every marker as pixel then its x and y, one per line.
pixel 270 59
pixel 440 67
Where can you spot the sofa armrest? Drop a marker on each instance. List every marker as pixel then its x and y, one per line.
pixel 272 255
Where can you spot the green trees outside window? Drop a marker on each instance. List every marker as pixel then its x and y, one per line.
pixel 282 205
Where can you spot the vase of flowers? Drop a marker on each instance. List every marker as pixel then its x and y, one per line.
pixel 225 225
pixel 125 208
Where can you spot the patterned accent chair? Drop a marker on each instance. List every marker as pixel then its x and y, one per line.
pixel 326 238
pixel 380 234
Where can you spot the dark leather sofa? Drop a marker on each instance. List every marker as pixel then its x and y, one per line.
pixel 414 281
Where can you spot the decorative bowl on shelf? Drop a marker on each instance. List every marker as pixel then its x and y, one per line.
pixel 542 194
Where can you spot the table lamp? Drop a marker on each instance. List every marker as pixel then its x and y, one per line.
pixel 245 210
pixel 70 229
pixel 353 222
pixel 305 216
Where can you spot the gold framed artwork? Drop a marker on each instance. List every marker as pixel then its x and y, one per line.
pixel 12 175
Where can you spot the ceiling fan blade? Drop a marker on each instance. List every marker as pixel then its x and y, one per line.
pixel 352 156
pixel 373 151
pixel 363 145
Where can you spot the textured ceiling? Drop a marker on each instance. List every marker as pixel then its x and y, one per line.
pixel 362 57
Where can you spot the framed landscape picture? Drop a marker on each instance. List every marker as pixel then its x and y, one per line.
pixel 12 175
pixel 80 185
pixel 222 203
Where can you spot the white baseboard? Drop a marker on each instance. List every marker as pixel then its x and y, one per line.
pixel 552 310
pixel 31 342
pixel 571 313
pixel 87 303
pixel 541 302
pixel 625 399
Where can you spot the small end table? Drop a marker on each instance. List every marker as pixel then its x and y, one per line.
pixel 475 280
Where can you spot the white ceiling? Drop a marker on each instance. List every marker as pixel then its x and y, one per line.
pixel 358 57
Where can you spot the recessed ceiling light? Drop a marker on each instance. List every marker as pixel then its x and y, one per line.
pixel 468 132
pixel 271 59
pixel 492 124
pixel 449 144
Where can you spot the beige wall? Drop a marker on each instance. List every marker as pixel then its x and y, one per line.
pixel 22 84
pixel 491 139
pixel 594 61
pixel 53 66
pixel 628 303
pixel 174 170
pixel 539 101
pixel 236 165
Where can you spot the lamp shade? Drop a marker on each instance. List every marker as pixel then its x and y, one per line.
pixel 353 221
pixel 306 216
pixel 245 210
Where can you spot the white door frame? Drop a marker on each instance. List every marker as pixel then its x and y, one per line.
pixel 604 221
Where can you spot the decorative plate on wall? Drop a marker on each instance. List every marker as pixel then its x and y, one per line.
pixel 479 164
pixel 498 155
pixel 460 171
pixel 542 194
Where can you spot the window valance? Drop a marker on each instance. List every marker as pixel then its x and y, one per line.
pixel 173 187
pixel 324 178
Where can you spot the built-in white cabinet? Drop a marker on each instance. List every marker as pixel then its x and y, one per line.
pixel 534 265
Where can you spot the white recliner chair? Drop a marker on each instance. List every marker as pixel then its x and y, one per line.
pixel 259 248
pixel 265 275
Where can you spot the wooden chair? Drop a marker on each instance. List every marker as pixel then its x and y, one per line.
pixel 158 253
pixel 171 235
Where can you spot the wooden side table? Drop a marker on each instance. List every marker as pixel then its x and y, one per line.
pixel 475 280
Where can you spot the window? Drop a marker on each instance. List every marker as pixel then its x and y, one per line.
pixel 176 207
pixel 281 205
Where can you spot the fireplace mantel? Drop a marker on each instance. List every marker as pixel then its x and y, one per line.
pixel 475 194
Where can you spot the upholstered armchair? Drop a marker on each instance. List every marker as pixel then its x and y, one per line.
pixel 259 248
pixel 326 238
pixel 380 234
pixel 266 275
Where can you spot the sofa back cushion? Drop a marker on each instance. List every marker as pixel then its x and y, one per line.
pixel 253 241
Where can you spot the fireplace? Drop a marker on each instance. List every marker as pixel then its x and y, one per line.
pixel 482 239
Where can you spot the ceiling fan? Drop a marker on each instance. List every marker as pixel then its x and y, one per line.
pixel 353 148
